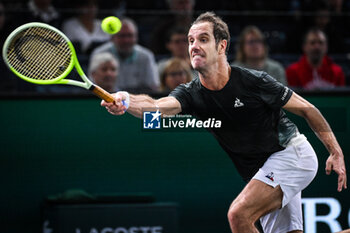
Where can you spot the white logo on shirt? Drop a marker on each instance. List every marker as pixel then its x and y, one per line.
pixel 284 93
pixel 238 103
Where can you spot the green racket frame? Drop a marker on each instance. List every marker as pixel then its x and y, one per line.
pixel 87 84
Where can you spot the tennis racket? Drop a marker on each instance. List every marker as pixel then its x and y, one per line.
pixel 41 54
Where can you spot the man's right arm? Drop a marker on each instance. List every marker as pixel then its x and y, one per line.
pixel 138 103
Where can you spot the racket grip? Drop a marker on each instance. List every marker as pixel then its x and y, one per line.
pixel 98 91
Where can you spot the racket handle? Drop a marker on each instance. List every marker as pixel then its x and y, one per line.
pixel 102 93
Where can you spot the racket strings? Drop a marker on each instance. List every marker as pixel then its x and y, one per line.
pixel 22 47
pixel 35 51
pixel 31 50
pixel 45 58
pixel 39 53
pixel 26 48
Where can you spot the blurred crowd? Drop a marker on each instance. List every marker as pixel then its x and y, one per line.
pixel 304 44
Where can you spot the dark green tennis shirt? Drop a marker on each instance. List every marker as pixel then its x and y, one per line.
pixel 253 125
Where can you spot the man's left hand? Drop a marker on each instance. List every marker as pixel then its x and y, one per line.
pixel 336 163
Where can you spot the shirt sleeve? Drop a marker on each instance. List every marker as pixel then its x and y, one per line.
pixel 182 94
pixel 272 92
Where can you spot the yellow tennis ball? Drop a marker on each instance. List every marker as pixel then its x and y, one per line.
pixel 111 25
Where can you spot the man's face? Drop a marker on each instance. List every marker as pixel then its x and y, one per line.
pixel 105 75
pixel 253 47
pixel 125 39
pixel 202 47
pixel 315 46
pixel 178 45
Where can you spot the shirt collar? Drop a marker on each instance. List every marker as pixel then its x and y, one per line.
pixel 131 58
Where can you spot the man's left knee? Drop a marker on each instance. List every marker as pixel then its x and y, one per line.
pixel 238 216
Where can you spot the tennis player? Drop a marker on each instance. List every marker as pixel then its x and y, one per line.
pixel 266 147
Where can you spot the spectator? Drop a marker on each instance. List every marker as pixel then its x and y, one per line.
pixel 138 70
pixel 181 15
pixel 315 70
pixel 103 70
pixel 40 11
pixel 176 72
pixel 177 44
pixel 321 17
pixel 252 53
pixel 84 30
pixel 332 28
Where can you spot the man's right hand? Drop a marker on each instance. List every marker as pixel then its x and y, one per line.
pixel 116 107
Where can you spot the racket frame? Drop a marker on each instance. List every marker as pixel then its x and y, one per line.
pixel 87 84
pixel 60 79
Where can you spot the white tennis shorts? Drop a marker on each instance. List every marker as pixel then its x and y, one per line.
pixel 293 169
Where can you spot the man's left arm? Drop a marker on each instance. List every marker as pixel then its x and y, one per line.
pixel 299 106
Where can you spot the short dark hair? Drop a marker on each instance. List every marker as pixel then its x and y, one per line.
pixel 220 28
pixel 313 30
